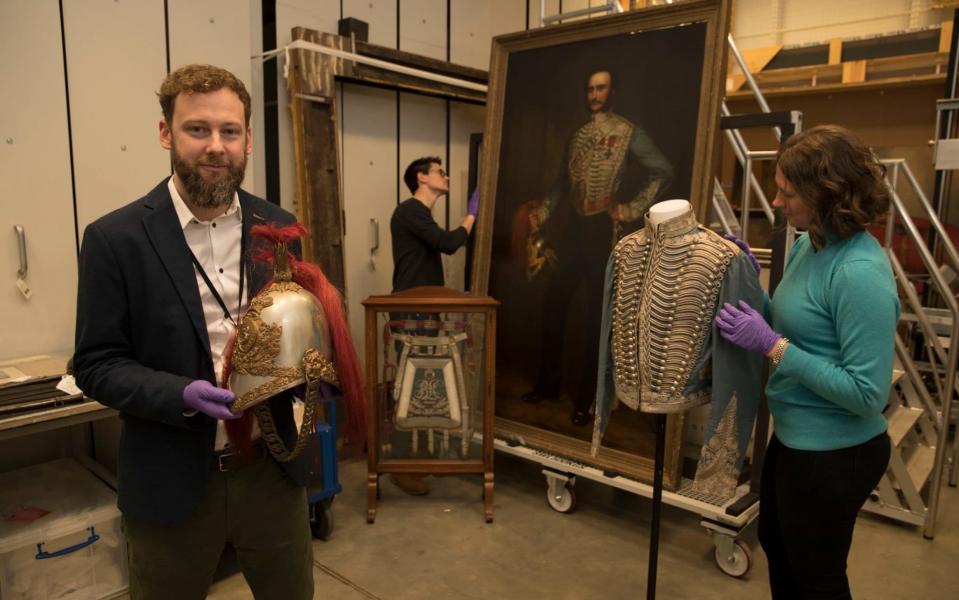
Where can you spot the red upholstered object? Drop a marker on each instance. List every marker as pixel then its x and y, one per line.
pixel 905 250
pixel 903 247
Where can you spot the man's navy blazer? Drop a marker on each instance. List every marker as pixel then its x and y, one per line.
pixel 141 338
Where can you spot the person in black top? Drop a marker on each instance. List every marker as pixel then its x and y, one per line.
pixel 417 244
pixel 417 239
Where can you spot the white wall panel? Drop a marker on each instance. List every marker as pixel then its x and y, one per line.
pixel 369 171
pixel 465 119
pixel 470 33
pixel 474 24
pixel 379 14
pixel 422 133
pixel 116 60
pixel 423 27
pixel 217 33
pixel 321 16
pixel 505 16
pixel 35 171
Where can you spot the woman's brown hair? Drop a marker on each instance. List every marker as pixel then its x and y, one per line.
pixel 838 177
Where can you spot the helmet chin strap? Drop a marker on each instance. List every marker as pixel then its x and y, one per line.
pixel 315 365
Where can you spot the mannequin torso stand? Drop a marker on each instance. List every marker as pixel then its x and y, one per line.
pixel 659 213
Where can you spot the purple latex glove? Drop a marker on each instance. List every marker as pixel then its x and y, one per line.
pixel 746 328
pixel 745 248
pixel 203 396
pixel 472 208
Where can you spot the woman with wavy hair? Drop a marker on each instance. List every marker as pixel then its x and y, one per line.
pixel 833 318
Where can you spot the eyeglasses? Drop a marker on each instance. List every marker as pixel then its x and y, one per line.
pixel 440 171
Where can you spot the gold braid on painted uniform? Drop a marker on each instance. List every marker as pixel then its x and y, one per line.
pixel 596 154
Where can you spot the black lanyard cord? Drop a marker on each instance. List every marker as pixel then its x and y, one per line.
pixel 212 288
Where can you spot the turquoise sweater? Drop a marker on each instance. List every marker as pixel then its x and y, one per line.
pixel 839 308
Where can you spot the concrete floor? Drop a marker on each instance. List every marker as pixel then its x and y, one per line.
pixel 438 546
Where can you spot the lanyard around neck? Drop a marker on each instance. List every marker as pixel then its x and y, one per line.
pixel 212 288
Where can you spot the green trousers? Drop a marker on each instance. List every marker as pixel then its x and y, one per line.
pixel 257 509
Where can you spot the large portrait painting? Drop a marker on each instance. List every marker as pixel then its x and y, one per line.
pixel 588 125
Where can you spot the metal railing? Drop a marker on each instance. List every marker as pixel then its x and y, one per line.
pixel 611 7
pixel 743 154
pixel 746 159
pixel 946 387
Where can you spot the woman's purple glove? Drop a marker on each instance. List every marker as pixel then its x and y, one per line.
pixel 746 328
pixel 203 396
pixel 745 248
pixel 472 208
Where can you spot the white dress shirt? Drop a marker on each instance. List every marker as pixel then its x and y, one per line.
pixel 216 245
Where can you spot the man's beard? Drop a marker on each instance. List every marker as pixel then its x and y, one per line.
pixel 209 194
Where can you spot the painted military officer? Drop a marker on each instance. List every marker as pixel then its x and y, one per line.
pixel 611 174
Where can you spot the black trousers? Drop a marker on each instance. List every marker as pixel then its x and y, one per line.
pixel 807 510
pixel 583 250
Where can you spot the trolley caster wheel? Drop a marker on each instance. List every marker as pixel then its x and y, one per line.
pixel 321 520
pixel 733 558
pixel 561 499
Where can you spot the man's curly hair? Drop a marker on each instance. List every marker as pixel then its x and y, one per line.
pixel 838 177
pixel 200 79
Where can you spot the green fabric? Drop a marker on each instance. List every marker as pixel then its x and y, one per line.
pixel 839 308
pixel 258 509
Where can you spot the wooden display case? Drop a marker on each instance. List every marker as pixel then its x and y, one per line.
pixel 430 372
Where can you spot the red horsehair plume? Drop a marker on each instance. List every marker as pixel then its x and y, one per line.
pixel 311 278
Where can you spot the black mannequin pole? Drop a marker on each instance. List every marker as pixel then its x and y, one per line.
pixel 657 506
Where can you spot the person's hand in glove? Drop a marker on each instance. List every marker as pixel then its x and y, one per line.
pixel 203 396
pixel 746 328
pixel 745 248
pixel 472 208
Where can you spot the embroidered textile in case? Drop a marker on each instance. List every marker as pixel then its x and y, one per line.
pixel 430 391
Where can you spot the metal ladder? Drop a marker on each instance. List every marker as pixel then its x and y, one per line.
pixel 918 420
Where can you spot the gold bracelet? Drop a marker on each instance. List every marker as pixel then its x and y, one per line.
pixel 779 350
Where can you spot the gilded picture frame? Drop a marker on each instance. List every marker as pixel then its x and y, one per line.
pixel 665 66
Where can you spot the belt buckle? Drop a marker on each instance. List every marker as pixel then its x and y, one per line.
pixel 220 458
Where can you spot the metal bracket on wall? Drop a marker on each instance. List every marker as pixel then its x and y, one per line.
pixel 22 269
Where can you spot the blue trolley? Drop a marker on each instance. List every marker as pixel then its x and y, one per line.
pixel 323 479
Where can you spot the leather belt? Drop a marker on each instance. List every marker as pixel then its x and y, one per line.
pixel 231 460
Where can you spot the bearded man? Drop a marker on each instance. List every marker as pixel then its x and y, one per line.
pixel 611 174
pixel 162 283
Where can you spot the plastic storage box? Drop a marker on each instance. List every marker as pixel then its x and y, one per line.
pixel 59 535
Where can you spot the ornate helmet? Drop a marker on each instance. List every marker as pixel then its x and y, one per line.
pixel 294 333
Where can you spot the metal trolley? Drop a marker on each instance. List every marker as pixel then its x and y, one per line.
pixel 323 478
pixel 723 519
